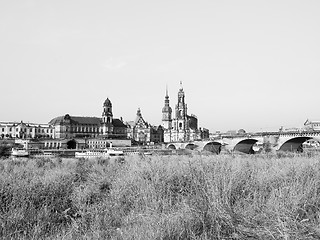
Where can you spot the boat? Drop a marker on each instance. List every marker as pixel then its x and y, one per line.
pixel 47 155
pixel 99 153
pixel 19 152
pixel 137 151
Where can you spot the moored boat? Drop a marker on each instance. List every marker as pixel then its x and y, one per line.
pixel 101 153
pixel 46 155
pixel 19 152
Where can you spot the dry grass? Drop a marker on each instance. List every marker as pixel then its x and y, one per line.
pixel 168 197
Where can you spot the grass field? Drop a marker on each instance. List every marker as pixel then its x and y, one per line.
pixel 162 197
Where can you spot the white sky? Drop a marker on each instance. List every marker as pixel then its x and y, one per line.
pixel 244 64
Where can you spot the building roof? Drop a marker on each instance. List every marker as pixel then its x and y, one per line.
pixel 13 124
pixel 131 124
pixel 107 102
pixel 76 120
pixel 308 121
pixel 192 116
pixel 85 121
pixel 118 123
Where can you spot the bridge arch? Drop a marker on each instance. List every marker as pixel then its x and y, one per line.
pixel 245 146
pixel 294 144
pixel 190 146
pixel 214 147
pixel 171 146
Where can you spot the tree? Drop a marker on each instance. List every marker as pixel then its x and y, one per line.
pixel 5 150
pixel 267 147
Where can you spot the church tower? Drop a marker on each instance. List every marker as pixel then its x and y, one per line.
pixel 166 113
pixel 107 118
pixel 181 111
pixel 182 127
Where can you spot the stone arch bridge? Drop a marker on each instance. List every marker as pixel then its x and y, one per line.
pixel 249 143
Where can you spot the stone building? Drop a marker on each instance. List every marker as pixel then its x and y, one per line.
pixel 102 143
pixel 26 130
pixel 79 127
pixel 142 132
pixel 204 133
pixel 183 127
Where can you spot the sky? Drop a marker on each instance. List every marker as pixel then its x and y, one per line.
pixel 249 64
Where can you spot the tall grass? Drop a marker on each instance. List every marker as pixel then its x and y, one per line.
pixel 168 197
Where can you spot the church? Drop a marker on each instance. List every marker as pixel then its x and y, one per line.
pixel 142 132
pixel 183 127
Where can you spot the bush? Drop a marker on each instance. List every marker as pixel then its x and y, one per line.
pixel 172 197
pixel 5 151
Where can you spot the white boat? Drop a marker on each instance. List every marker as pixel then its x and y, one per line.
pixel 101 153
pixel 46 155
pixel 19 152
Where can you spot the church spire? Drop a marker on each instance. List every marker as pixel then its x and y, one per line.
pixel 166 101
pixel 166 111
pixel 181 94
pixel 139 112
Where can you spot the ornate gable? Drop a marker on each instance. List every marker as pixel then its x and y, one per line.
pixel 140 122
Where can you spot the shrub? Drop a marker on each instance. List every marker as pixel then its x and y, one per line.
pixel 172 197
pixel 5 151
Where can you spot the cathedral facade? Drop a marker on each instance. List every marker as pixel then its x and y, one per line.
pixel 183 127
pixel 142 132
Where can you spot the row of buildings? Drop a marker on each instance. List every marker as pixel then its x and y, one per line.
pixel 26 130
pixel 98 132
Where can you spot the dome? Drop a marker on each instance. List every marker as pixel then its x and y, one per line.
pixel 107 102
pixel 167 109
